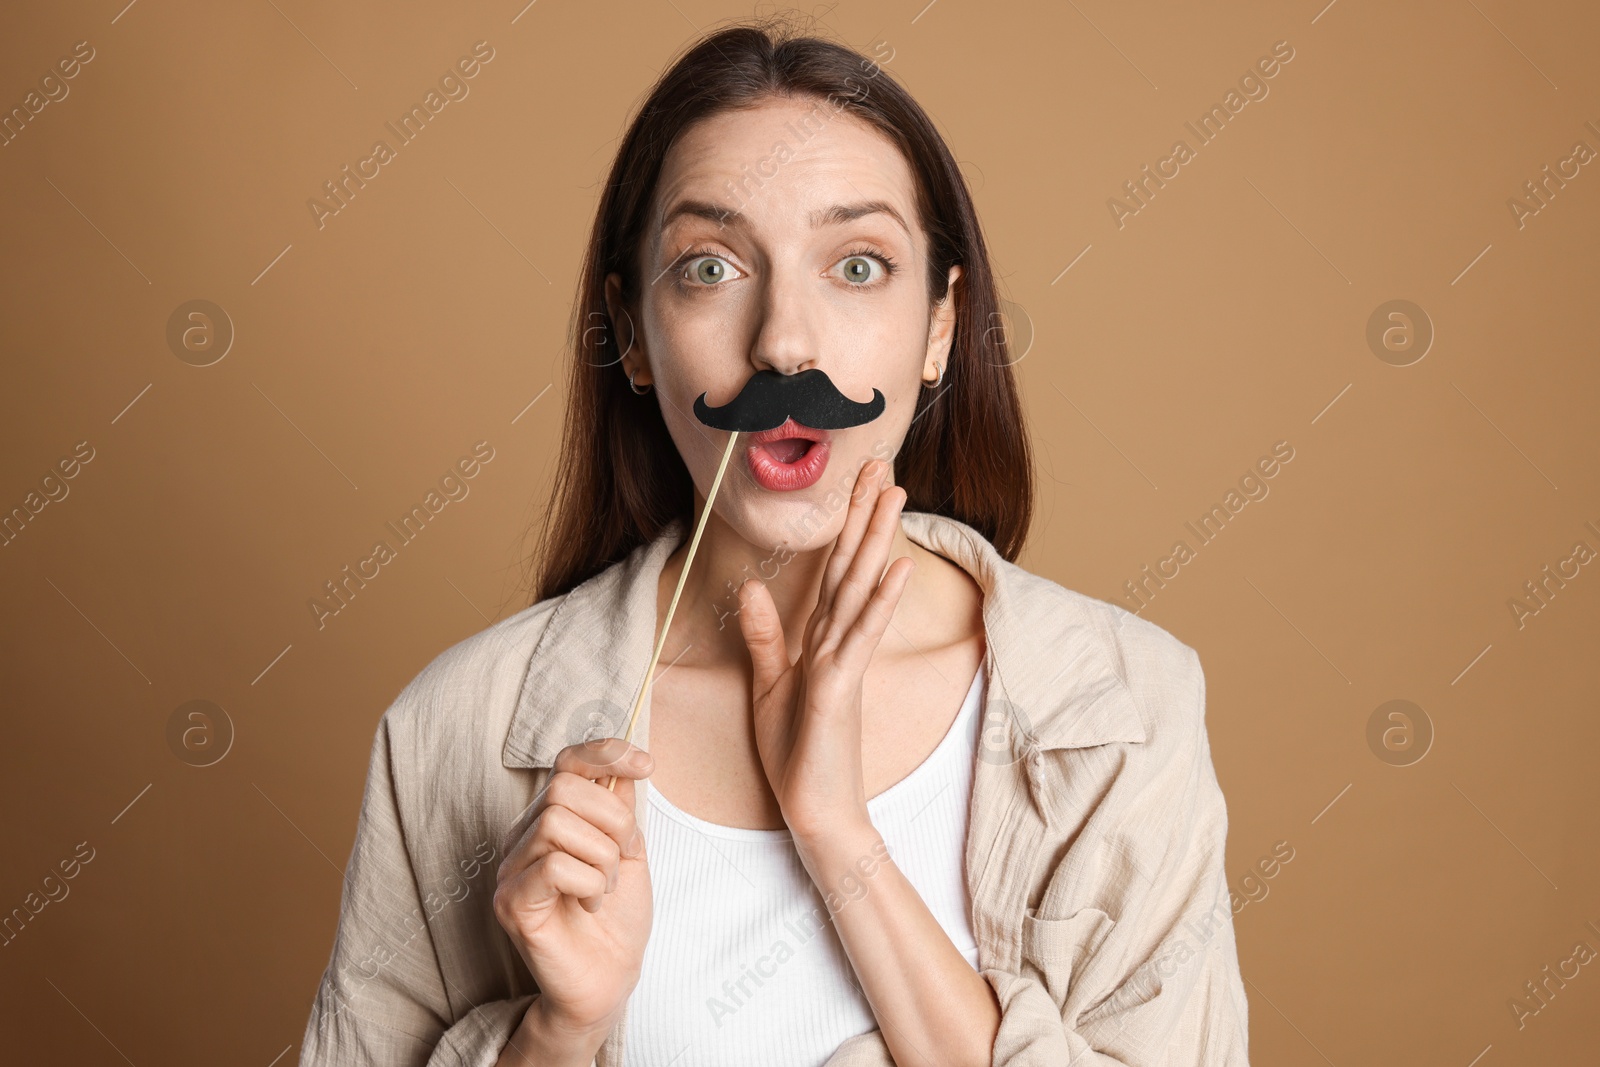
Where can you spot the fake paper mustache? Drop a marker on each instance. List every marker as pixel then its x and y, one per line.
pixel 769 398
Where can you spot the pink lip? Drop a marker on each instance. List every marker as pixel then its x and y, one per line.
pixel 772 473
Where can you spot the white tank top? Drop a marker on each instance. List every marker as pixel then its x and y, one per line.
pixel 743 966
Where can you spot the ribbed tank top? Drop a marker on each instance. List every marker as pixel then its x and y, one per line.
pixel 743 965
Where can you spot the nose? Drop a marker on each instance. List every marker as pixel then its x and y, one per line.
pixel 786 339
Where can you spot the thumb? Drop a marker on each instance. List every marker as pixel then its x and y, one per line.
pixel 626 791
pixel 763 634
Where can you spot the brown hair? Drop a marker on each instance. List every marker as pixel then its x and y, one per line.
pixel 619 478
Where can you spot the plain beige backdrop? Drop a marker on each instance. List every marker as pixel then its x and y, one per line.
pixel 1441 860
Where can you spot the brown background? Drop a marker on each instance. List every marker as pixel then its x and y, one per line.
pixel 1229 314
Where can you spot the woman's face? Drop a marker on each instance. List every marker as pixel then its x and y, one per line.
pixel 784 238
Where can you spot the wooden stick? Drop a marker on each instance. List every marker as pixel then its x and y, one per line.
pixel 673 606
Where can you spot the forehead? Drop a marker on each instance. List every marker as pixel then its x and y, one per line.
pixel 781 162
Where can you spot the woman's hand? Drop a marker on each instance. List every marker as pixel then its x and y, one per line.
pixel 570 895
pixel 808 713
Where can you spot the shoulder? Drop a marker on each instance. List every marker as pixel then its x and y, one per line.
pixel 1160 668
pixel 1149 802
pixel 1167 780
pixel 1112 655
pixel 455 712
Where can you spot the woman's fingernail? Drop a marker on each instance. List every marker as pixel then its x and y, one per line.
pixel 634 845
pixel 640 761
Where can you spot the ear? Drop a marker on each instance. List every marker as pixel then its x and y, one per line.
pixel 628 339
pixel 942 326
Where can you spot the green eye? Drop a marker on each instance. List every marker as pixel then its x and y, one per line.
pixel 858 269
pixel 710 270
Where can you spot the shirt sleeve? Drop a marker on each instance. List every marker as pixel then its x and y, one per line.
pixel 1150 976
pixel 383 997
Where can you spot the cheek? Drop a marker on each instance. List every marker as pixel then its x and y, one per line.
pixel 699 445
pixel 883 350
pixel 900 382
pixel 891 323
pixel 695 352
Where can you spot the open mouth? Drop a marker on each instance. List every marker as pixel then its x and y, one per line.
pixel 790 449
pixel 787 457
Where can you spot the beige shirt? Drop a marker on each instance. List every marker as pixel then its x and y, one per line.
pixel 1094 853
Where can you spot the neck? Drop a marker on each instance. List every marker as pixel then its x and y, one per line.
pixel 705 625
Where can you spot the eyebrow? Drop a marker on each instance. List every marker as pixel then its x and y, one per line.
pixel 833 216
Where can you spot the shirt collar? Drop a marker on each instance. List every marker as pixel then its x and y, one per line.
pixel 1051 655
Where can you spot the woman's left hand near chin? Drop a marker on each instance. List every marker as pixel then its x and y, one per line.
pixel 808 713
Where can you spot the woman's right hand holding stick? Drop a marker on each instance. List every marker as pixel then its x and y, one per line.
pixel 573 894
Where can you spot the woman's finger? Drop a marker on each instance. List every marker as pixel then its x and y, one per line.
pixel 564 830
pixel 592 760
pixel 867 568
pixel 858 644
pixel 863 498
pixel 553 875
pixel 609 812
pixel 763 634
pixel 601 757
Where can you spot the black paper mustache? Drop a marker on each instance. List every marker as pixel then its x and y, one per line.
pixel 769 398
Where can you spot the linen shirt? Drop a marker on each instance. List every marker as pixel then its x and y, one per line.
pixel 1093 859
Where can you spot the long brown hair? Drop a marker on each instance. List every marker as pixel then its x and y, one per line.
pixel 619 478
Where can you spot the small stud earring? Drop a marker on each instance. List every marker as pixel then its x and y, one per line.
pixel 936 382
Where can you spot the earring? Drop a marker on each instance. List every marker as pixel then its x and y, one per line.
pixel 936 382
pixel 635 388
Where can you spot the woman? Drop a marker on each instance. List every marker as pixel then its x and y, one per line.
pixel 891 798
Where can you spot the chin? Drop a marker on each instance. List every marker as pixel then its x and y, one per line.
pixel 798 521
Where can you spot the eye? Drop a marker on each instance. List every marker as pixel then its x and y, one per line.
pixel 858 268
pixel 707 269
